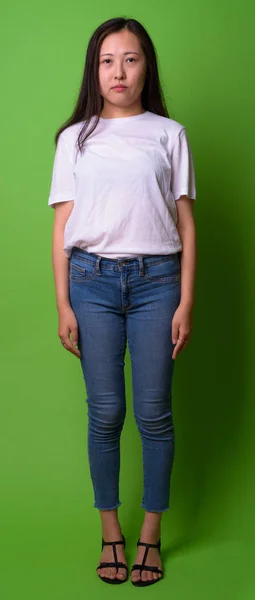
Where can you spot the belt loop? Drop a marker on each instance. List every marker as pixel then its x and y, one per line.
pixel 141 265
pixel 98 265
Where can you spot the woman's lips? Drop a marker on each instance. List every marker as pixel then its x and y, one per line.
pixel 119 89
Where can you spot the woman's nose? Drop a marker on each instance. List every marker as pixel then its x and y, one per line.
pixel 120 72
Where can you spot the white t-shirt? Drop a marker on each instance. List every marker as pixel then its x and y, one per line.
pixel 124 185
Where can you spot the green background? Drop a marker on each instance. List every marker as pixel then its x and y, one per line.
pixel 50 531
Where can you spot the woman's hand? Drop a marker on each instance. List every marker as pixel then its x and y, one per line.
pixel 181 328
pixel 67 325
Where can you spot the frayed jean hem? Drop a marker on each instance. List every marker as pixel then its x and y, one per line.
pixel 156 510
pixel 110 508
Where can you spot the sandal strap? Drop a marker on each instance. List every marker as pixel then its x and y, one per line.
pixel 146 568
pixel 158 545
pixel 111 543
pixel 123 541
pixel 114 544
pixel 143 566
pixel 112 564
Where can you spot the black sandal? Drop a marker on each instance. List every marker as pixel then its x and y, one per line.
pixel 115 564
pixel 144 567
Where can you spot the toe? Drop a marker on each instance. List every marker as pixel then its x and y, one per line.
pixel 112 573
pixel 144 575
pixel 107 572
pixel 135 575
pixel 121 574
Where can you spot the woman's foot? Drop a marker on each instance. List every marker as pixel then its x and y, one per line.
pixel 152 560
pixel 111 532
pixel 108 556
pixel 150 534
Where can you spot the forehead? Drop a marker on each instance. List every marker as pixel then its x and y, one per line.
pixel 120 41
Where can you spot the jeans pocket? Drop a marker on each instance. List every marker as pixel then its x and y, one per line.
pixel 81 270
pixel 165 271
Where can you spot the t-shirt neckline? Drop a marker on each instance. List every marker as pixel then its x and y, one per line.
pixel 132 117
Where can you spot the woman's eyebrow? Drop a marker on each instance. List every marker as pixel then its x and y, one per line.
pixel 110 54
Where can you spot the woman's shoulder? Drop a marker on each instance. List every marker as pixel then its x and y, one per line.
pixel 170 125
pixel 70 133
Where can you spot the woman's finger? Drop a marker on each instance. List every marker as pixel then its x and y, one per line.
pixel 67 344
pixel 181 344
pixel 74 334
pixel 175 333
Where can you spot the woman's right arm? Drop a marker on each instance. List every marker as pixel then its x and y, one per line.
pixel 67 321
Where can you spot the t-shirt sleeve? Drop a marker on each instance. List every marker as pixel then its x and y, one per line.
pixel 182 174
pixel 62 181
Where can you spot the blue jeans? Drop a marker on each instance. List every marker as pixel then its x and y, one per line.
pixel 118 301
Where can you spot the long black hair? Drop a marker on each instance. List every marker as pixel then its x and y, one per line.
pixel 90 101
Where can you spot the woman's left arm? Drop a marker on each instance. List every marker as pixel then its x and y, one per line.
pixel 182 320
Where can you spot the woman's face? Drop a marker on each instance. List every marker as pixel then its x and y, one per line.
pixel 121 61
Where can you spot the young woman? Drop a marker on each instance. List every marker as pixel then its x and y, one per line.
pixel 124 256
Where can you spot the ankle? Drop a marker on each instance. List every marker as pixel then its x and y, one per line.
pixel 152 524
pixel 111 532
pixel 150 534
pixel 111 529
pixel 112 535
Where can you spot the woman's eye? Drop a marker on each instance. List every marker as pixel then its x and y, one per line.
pixel 109 60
